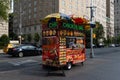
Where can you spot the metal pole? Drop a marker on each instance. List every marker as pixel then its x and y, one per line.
pixel 91 38
pixel 91 30
pixel 91 51
pixel 20 24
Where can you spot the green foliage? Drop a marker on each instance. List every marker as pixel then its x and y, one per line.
pixel 13 36
pixel 4 7
pixel 117 39
pixel 29 37
pixel 36 37
pixel 4 40
pixel 88 36
pixel 99 31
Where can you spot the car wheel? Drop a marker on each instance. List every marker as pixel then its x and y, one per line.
pixel 13 55
pixel 69 66
pixel 20 54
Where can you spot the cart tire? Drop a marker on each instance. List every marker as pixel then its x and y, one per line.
pixel 69 66
pixel 20 54
pixel 44 66
pixel 82 63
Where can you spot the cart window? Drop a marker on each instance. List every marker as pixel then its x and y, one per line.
pixel 49 41
pixel 70 42
pixel 75 42
pixel 80 43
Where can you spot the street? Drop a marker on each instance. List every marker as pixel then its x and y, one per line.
pixel 104 66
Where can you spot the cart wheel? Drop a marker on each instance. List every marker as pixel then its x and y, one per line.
pixel 44 66
pixel 82 63
pixel 69 66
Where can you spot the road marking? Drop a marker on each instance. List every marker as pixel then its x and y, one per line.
pixel 18 63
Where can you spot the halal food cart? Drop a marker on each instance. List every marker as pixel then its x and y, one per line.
pixel 63 41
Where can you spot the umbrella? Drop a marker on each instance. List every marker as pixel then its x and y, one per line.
pixel 57 17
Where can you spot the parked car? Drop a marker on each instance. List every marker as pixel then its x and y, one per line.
pixel 24 49
pixel 112 45
pixel 89 46
pixel 100 45
pixel 117 45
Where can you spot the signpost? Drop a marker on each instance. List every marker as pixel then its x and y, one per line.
pixel 92 25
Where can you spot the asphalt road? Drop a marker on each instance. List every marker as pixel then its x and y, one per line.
pixel 104 66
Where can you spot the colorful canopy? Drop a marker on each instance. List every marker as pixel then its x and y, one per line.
pixel 63 17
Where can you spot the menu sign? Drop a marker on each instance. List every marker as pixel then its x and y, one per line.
pixel 49 33
pixel 66 25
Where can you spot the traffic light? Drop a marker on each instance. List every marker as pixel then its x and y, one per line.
pixel 92 25
pixel 94 35
pixel 87 27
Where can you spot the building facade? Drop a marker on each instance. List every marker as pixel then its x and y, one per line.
pixel 117 17
pixel 29 12
pixel 104 13
pixel 110 18
pixel 4 27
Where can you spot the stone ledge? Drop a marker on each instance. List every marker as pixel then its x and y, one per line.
pixel 1 50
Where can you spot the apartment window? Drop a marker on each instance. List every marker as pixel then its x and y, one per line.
pixel 35 28
pixel 35 15
pixel 24 29
pixel 35 3
pixel 29 10
pixel 29 28
pixel 29 4
pixel 29 17
pixel 117 12
pixel 117 1
pixel 70 6
pixel 35 9
pixel 77 3
pixel 63 3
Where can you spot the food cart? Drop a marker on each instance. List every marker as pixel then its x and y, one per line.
pixel 63 41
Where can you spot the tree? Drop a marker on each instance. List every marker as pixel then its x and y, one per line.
pixel 4 39
pixel 13 36
pixel 29 37
pixel 24 37
pixel 87 33
pixel 117 39
pixel 99 31
pixel 11 33
pixel 4 7
pixel 36 37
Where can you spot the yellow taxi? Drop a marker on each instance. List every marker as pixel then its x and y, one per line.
pixel 5 49
pixel 11 44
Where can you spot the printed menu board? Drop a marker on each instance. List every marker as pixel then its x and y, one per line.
pixel 70 33
pixel 62 53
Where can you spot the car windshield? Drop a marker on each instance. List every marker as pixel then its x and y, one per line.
pixel 20 46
